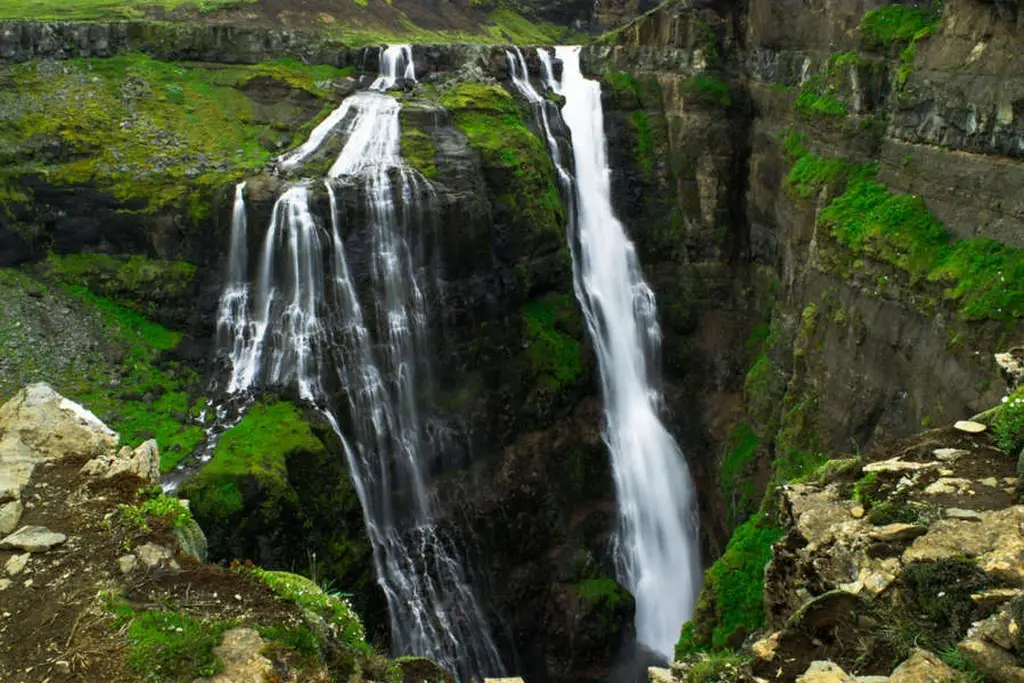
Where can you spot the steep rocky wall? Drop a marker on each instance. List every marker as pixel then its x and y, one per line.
pixel 843 117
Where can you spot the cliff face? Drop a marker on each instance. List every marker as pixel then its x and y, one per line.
pixel 870 253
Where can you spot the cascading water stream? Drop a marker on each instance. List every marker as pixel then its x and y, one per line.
pixel 656 542
pixel 305 316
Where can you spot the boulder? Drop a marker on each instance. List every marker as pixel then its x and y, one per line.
pixel 10 513
pixel 16 563
pixel 143 462
pixel 239 653
pixel 43 425
pixel 993 662
pixel 922 667
pixel 33 539
pixel 825 672
pixel 152 555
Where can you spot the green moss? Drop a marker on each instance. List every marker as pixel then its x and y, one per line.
pixel 893 510
pixel 811 174
pixel 554 354
pixel 153 133
pixel 644 152
pixel 731 603
pixel 709 89
pixel 815 99
pixel 257 450
pixel 419 151
pixel 880 28
pixel 735 472
pixel 517 160
pixel 333 607
pixel 594 591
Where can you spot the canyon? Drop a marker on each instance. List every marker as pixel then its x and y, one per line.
pixel 823 198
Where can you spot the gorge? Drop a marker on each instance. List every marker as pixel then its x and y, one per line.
pixel 513 341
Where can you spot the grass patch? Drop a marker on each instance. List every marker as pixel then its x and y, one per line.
pixel 817 98
pixel 166 508
pixel 731 604
pixel 106 10
pixel 708 89
pixel 148 287
pixel 171 647
pixel 709 667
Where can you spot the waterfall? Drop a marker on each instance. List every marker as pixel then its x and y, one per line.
pixel 656 541
pixel 305 317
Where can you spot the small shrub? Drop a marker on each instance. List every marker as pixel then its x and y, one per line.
pixel 1008 424
pixel 714 667
pixel 866 489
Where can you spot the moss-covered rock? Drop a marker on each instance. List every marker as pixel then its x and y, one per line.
pixel 516 166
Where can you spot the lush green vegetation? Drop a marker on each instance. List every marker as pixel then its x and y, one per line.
pixel 711 667
pixel 108 10
pixel 554 353
pixel 818 98
pixel 709 89
pixel 984 278
pixel 165 508
pixel 644 141
pixel 594 591
pixel 516 158
pixel 1008 423
pixel 736 470
pixel 256 449
pixel 167 646
pixel 152 288
pixel 333 607
pixel 731 604
pixel 881 28
pixel 160 132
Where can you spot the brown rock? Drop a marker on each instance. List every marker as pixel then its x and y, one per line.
pixel 922 667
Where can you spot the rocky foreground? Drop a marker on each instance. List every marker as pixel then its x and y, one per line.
pixel 104 577
pixel 903 565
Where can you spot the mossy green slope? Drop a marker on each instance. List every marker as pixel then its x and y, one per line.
pixel 153 133
pixel 518 159
pixel 253 453
pixel 113 360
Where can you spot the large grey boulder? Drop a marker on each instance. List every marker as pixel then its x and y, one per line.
pixel 40 424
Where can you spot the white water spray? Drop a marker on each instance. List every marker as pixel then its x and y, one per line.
pixel 657 547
